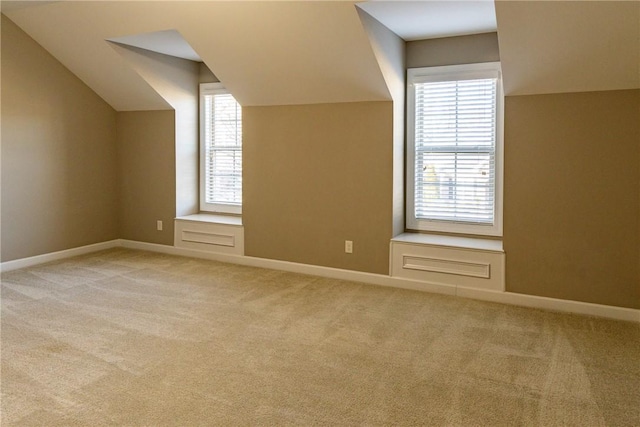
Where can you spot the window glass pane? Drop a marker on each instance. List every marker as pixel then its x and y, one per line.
pixel 455 140
pixel 223 149
pixel 455 186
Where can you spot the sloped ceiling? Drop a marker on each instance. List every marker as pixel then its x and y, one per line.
pixel 419 20
pixel 167 42
pixel 569 46
pixel 265 53
pixel 305 52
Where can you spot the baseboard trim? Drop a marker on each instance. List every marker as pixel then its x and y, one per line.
pixel 532 301
pixel 313 270
pixel 552 304
pixel 55 256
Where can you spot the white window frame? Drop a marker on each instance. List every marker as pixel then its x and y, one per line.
pixel 449 73
pixel 210 89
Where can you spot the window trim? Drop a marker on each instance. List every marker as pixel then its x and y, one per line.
pixel 443 73
pixel 224 208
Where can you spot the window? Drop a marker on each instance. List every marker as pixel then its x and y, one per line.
pixel 220 150
pixel 454 149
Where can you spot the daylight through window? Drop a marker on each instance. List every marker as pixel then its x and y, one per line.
pixel 221 150
pixel 455 149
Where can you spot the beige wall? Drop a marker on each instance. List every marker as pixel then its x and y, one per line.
pixel 453 50
pixel 572 181
pixel 58 154
pixel 146 175
pixel 389 50
pixel 74 173
pixel 315 176
pixel 176 80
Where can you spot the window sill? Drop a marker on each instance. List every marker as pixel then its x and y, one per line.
pixel 452 242
pixel 212 219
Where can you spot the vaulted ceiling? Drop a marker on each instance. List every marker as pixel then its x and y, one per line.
pixel 266 53
pixel 304 52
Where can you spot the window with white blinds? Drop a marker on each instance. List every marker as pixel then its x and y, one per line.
pixel 455 151
pixel 220 150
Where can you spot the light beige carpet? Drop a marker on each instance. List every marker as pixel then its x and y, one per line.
pixel 133 338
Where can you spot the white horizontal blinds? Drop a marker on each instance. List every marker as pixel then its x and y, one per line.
pixel 455 149
pixel 223 149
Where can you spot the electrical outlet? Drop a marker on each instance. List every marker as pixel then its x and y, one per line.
pixel 159 225
pixel 348 246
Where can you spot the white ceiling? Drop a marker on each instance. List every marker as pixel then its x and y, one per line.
pixel 410 20
pixel 305 52
pixel 265 53
pixel 9 5
pixel 168 42
pixel 418 20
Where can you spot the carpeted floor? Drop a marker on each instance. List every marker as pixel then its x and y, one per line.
pixel 133 338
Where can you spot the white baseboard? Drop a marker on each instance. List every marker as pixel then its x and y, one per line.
pixel 553 304
pixel 532 301
pixel 55 256
pixel 314 270
pixel 611 312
